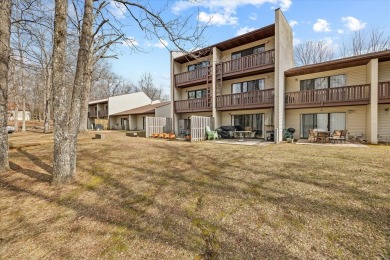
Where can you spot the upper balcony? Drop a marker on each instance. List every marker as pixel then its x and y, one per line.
pixel 329 97
pixel 191 78
pixel 92 114
pixel 102 113
pixel 384 92
pixel 246 100
pixel 248 65
pixel 193 105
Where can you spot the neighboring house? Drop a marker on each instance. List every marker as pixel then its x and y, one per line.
pixel 19 116
pixel 134 119
pixel 100 111
pixel 250 81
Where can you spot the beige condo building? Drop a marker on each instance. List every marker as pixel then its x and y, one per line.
pixel 251 81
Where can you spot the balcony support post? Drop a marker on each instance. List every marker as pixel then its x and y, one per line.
pixel 372 78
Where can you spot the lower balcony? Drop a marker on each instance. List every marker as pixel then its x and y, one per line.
pixel 102 113
pixel 246 100
pixel 341 96
pixel 192 105
pixel 384 92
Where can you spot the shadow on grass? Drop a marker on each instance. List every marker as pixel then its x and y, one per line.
pixel 31 173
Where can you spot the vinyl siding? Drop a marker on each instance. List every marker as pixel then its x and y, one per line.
pixel 226 115
pixel 355 122
pixel 269 83
pixel 270 45
pixel 383 120
pixel 184 92
pixel 355 76
pixel 164 111
pixel 384 71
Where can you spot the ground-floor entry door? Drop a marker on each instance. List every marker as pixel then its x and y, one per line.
pixel 326 121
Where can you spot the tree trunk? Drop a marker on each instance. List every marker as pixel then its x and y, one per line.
pixel 48 96
pixel 81 77
pixel 16 100
pixel 5 32
pixel 61 165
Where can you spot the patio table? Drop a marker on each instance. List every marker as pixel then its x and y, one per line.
pixel 241 134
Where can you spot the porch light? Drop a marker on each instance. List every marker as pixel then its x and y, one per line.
pixel 349 111
pixel 387 109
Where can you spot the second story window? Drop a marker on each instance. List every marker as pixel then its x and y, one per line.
pixel 200 93
pixel 248 86
pixel 198 65
pixel 324 82
pixel 246 52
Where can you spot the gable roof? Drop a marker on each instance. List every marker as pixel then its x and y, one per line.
pixel 148 109
pixel 339 63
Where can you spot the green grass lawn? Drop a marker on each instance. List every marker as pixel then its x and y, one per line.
pixel 137 198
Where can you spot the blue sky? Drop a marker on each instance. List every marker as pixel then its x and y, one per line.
pixel 332 21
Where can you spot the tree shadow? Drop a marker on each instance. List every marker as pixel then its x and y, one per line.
pixel 31 173
pixel 36 160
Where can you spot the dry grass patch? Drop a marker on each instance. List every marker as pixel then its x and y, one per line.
pixel 140 198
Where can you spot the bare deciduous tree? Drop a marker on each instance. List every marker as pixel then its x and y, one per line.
pixel 146 85
pixel 5 32
pixel 312 52
pixel 362 42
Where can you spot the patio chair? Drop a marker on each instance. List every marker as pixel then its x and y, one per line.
pixel 336 136
pixel 312 136
pixel 343 136
pixel 211 134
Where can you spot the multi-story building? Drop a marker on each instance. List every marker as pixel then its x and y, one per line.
pixel 99 111
pixel 251 81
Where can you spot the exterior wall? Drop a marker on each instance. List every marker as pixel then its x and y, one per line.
pixel 226 115
pixel 384 71
pixel 268 42
pixel 125 102
pixel 182 94
pixel 132 122
pixel 355 122
pixel 269 82
pixel 19 115
pixel 140 121
pixel 184 67
pixel 163 111
pixel 355 76
pixel 188 115
pixel 115 122
pixel 384 120
pixel 284 60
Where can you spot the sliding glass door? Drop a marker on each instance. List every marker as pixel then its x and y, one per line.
pixel 325 121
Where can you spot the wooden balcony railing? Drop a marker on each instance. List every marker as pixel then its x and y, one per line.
pixel 356 95
pixel 253 99
pixel 92 114
pixel 102 113
pixel 194 76
pixel 248 63
pixel 192 105
pixel 384 92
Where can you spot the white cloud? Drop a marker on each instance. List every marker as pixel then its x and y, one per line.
pixel 253 17
pixel 130 41
pixel 339 31
pixel 285 4
pixel 218 18
pixel 244 30
pixel 223 12
pixel 161 44
pixel 117 9
pixel 353 23
pixel 296 41
pixel 293 23
pixel 321 26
